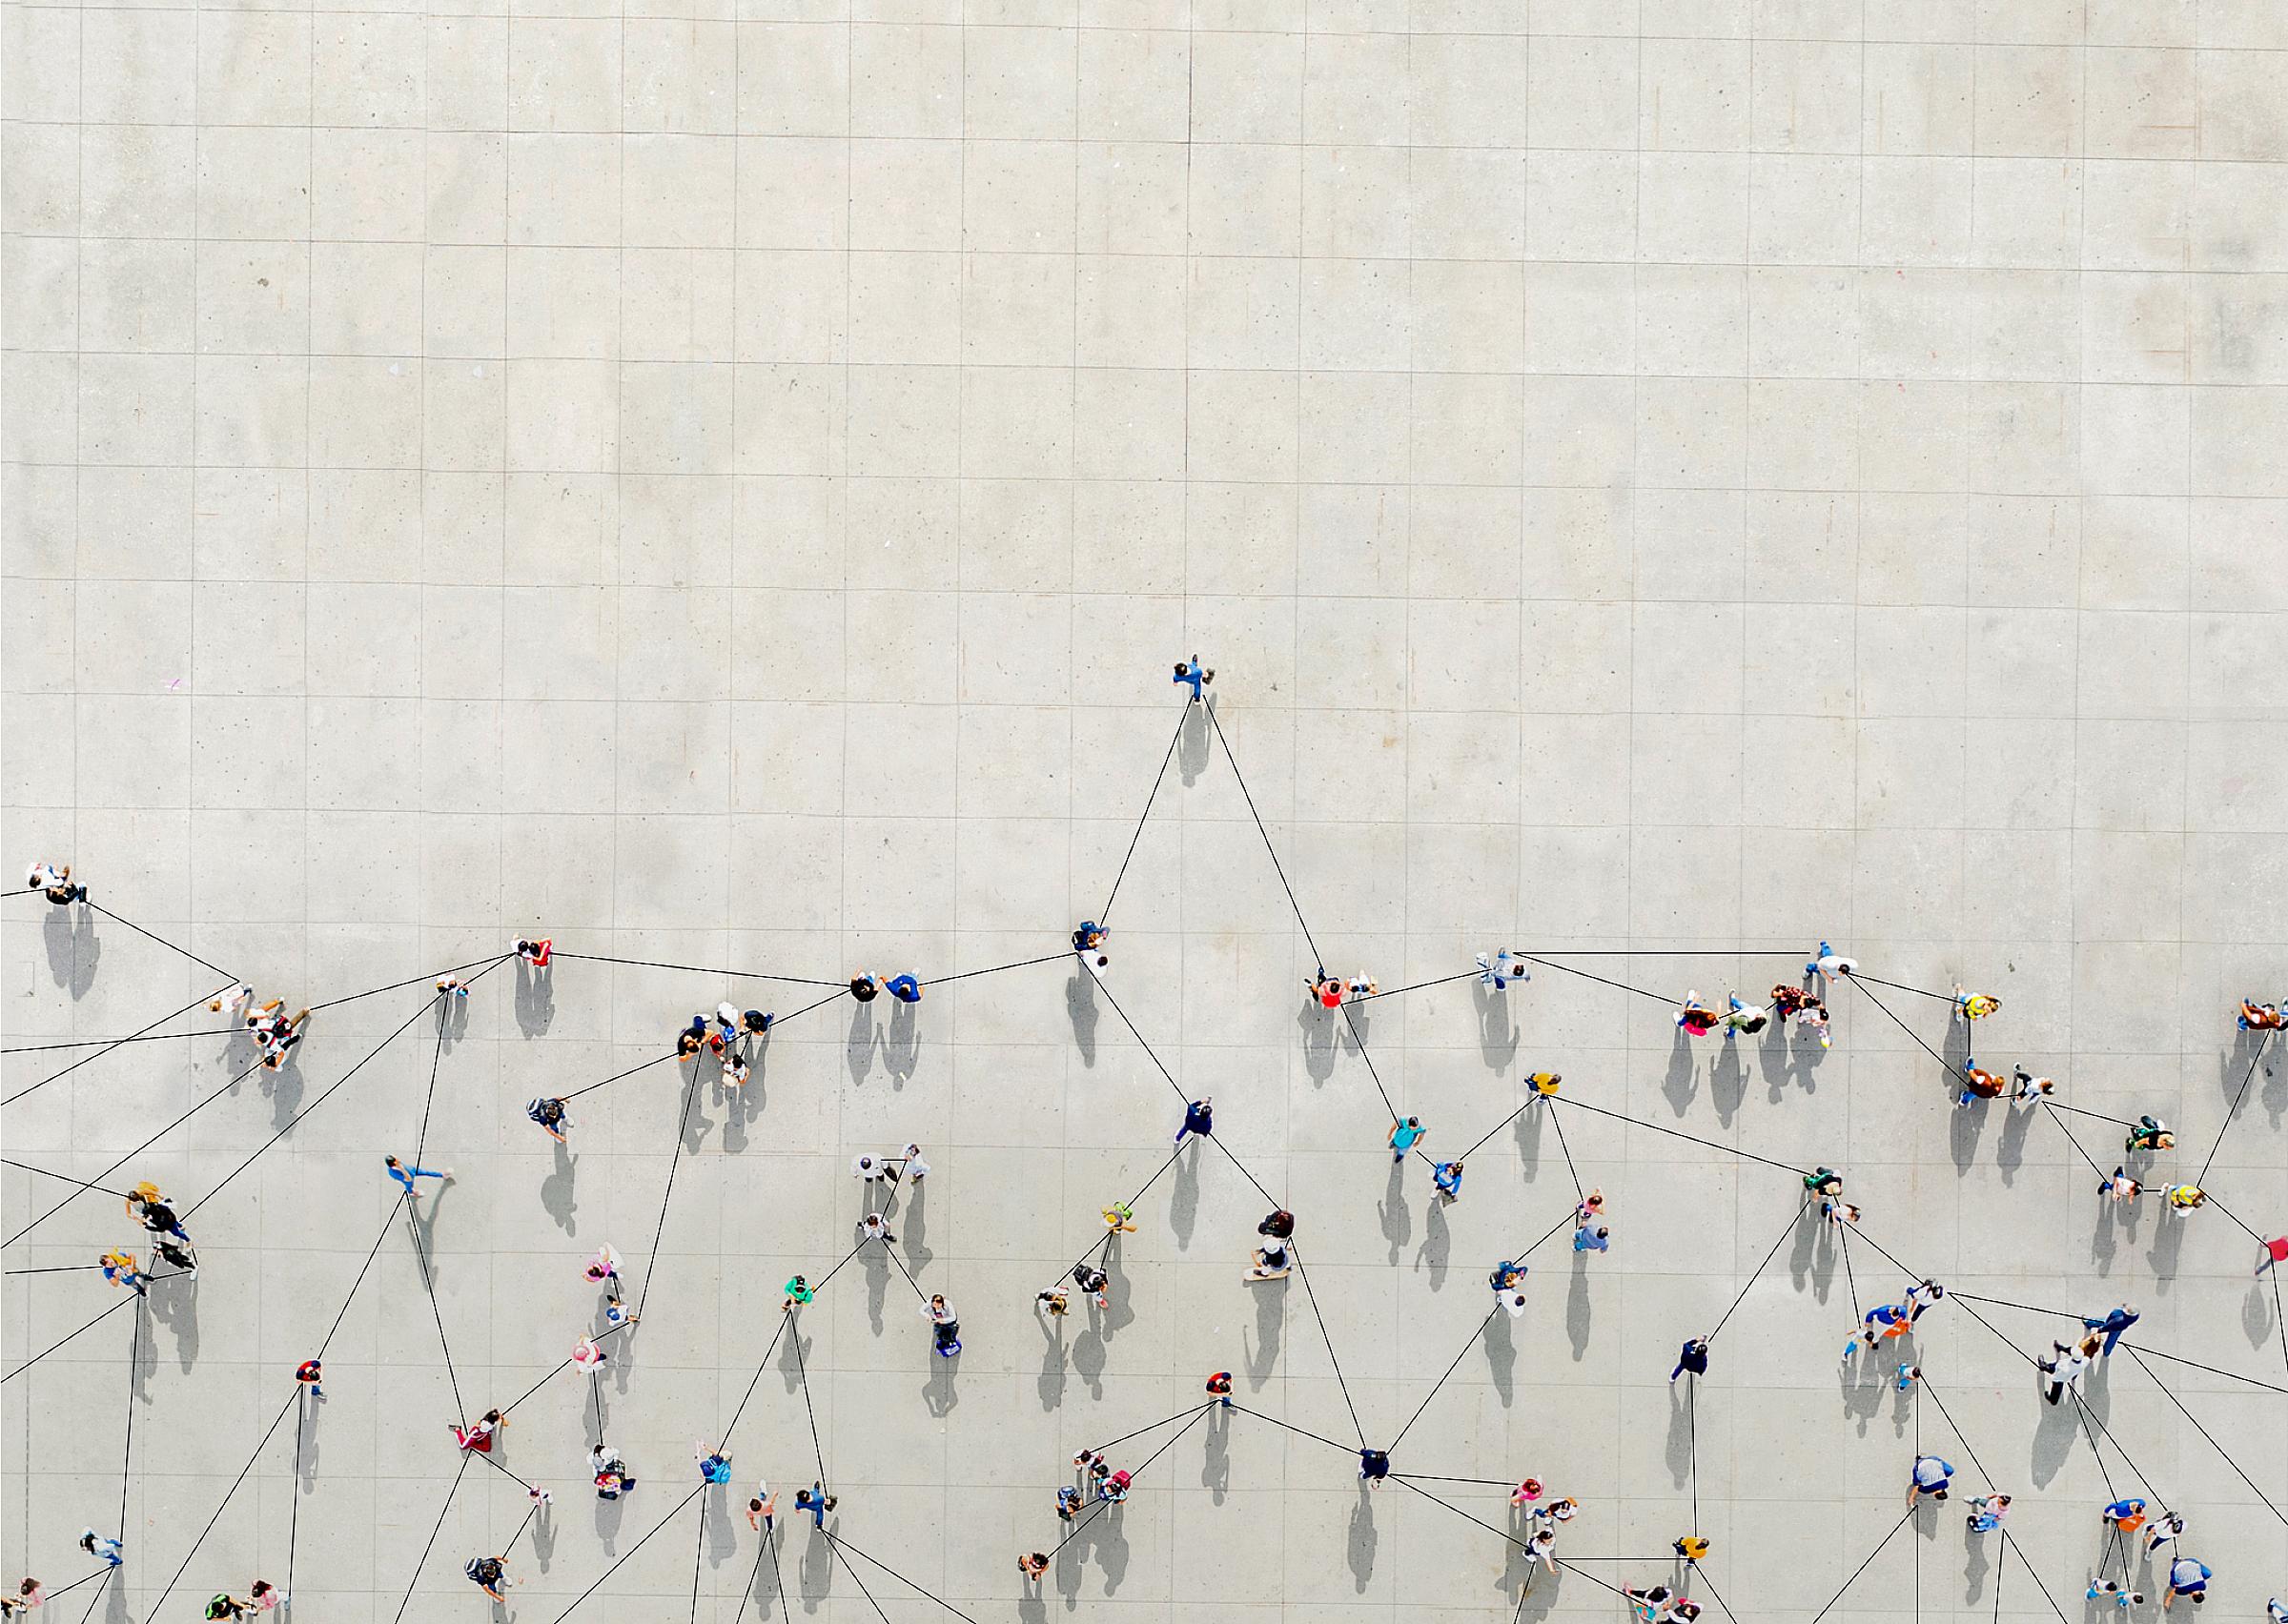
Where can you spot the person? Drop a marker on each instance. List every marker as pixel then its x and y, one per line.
pixel 265 1597
pixel 1088 934
pixel 1500 967
pixel 535 951
pixel 310 1374
pixel 689 1044
pixel 452 986
pixel 1363 987
pixel 1838 1213
pixel 1921 1295
pixel 2186 1197
pixel 1979 1085
pixel 1828 966
pixel 1883 1320
pixel 1513 1303
pixel 55 884
pixel 222 1604
pixel 1189 671
pixel 587 1355
pixel 1278 1223
pixel 1219 1388
pixel 1052 1302
pixel 862 988
pixel 798 1291
pixel 1696 1018
pixel 1404 1136
pixel 1506 1276
pixel 1823 1181
pixel 763 1509
pixel 2127 1515
pixel 1373 1466
pixel 817 1502
pixel 616 1311
pixel 910 1166
pixel 1813 1019
pixel 903 988
pixel 478 1435
pixel 1987 1513
pixel 2162 1532
pixel 1930 1477
pixel 1032 1565
pixel 2261 1017
pixel 1095 1282
pixel 2150 1133
pixel 602 1266
pixel 755 1023
pixel 1545 1083
pixel 2275 1610
pixel 2061 1370
pixel 1525 1493
pixel 1589 1208
pixel 875 1227
pixel 278 1037
pixel 1691 1547
pixel 2026 1088
pixel 405 1175
pixel 1972 1007
pixel 1069 1501
pixel 945 1328
pixel 1327 990
pixel 1119 1219
pixel 2275 1253
pixel 159 1218
pixel 177 1256
pixel 1908 1375
pixel 1199 1118
pixel 2187 1578
pixel 1563 1509
pixel 1693 1357
pixel 609 1470
pixel 1600 1239
pixel 1271 1261
pixel 2121 1595
pixel 867 1169
pixel 1446 1179
pixel 236 1001
pixel 2120 1185
pixel 120 1269
pixel 490 1574
pixel 1741 1016
pixel 714 1465
pixel 2116 1321
pixel 728 1020
pixel 1789 1001
pixel 1115 1489
pixel 104 1550
pixel 735 1071
pixel 549 1113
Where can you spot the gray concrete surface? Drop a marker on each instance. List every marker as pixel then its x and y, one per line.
pixel 1666 480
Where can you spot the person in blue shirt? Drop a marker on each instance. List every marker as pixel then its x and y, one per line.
pixel 1932 1476
pixel 903 988
pixel 2116 1321
pixel 1446 1179
pixel 2187 1578
pixel 1599 1239
pixel 1199 1118
pixel 1193 672
pixel 1404 1136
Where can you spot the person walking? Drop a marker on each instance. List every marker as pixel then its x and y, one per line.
pixel 1051 1303
pixel 862 988
pixel 2116 1591
pixel 755 1023
pixel 1200 1119
pixel 489 1574
pixel 2275 1253
pixel 1219 1388
pixel 798 1293
pixel 2161 1533
pixel 873 1227
pixel 266 1597
pixel 1987 1513
pixel 2026 1089
pixel 1829 965
pixel 2186 1197
pixel 817 1502
pixel 910 1166
pixel 1374 1467
pixel 55 883
pixel 2150 1133
pixel 2061 1370
pixel 1972 1007
pixel 1500 967
pixel 714 1463
pixel 312 1375
pixel 2127 1515
pixel 1696 1018
pixel 2187 1578
pixel 2120 1185
pixel 1506 1276
pixel 1326 991
pixel 1446 1179
pixel 1189 671
pixel 609 1469
pixel 535 950
pixel 549 1113
pixel 588 1355
pixel 903 988
pixel 1404 1136
pixel 763 1509
pixel 1272 1262
pixel 2112 1326
pixel 1932 1476
pixel 603 1267
pixel 945 1328
pixel 478 1436
pixel 120 1268
pixel 1743 1017
pixel 405 1175
pixel 868 1168
pixel 1600 1239
pixel 1119 1219
pixel 1032 1565
pixel 1095 1282
pixel 1693 1357
pixel 103 1549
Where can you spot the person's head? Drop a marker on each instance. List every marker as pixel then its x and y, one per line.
pixel 494 1417
pixel 87 1540
pixel 1182 668
pixel 1413 1122
pixel 391 1162
pixel 800 1282
pixel 263 1587
pixel 937 1299
pixel 1604 1233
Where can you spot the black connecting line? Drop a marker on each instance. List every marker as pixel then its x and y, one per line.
pixel 2205 1434
pixel 2231 1110
pixel 1183 716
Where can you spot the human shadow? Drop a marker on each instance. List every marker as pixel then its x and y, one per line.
pixel 939 1393
pixel 1728 1082
pixel 1677 1084
pixel 1682 1423
pixel 2010 1147
pixel 1965 1127
pixel 536 999
pixel 1192 743
pixel 913 1224
pixel 1183 1200
pixel 176 1308
pixel 74 948
pixel 1215 1454
pixel 2053 1439
pixel 902 1044
pixel 1975 1570
pixel 285 1088
pixel 559 1196
pixel 1051 1383
pixel 1397 1218
pixel 1498 1034
pixel 1089 1355
pixel 715 1521
pixel 1501 1356
pixel 1577 1308
pixel 609 1516
pixel 1081 1009
pixel 1271 1317
pixel 544 1536
pixel 876 1269
pixel 2168 1242
pixel 1318 1028
pixel 1438 1245
pixel 1364 1540
pixel 859 1045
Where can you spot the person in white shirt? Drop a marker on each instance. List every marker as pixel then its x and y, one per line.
pixel 912 1167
